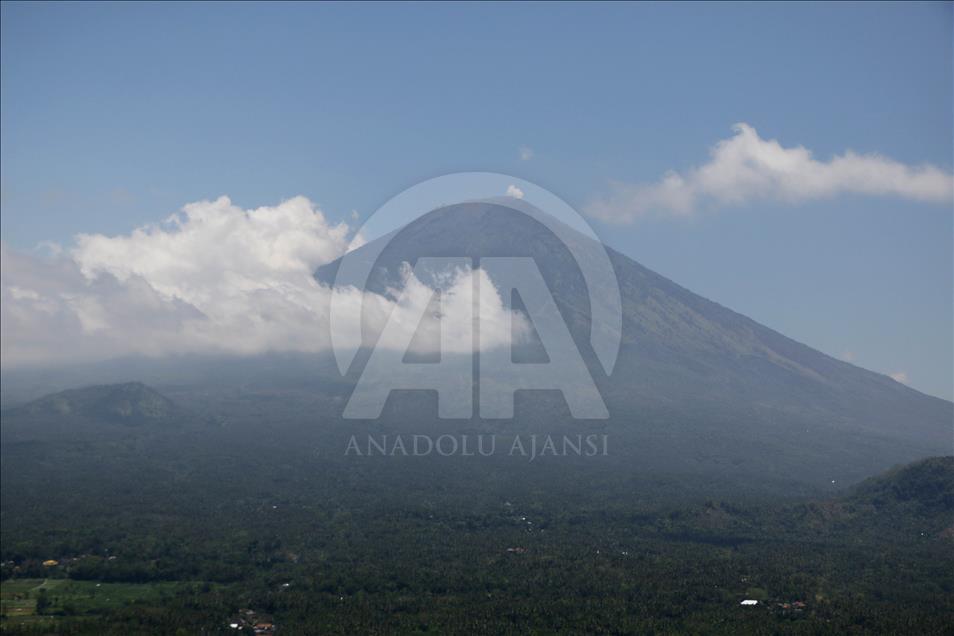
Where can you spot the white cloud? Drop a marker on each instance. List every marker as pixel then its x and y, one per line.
pixel 848 356
pixel 457 307
pixel 746 168
pixel 215 249
pixel 213 279
pixel 526 153
pixel 899 376
pixel 514 191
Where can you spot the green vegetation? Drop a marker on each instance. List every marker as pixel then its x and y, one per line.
pixel 186 528
pixel 353 561
pixel 28 602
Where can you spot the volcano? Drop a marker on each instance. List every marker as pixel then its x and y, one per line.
pixel 696 386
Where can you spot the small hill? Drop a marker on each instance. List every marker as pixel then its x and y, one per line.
pixel 130 403
pixel 911 503
pixel 927 485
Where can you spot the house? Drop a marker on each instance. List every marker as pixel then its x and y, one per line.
pixel 749 601
pixel 49 563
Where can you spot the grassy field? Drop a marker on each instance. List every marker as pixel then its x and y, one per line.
pixel 67 598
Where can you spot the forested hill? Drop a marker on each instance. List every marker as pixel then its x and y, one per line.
pixel 925 487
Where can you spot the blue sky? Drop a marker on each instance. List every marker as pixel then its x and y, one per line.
pixel 114 116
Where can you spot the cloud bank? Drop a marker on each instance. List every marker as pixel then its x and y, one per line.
pixel 214 279
pixel 746 168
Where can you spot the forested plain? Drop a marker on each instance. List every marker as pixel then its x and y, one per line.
pixel 191 522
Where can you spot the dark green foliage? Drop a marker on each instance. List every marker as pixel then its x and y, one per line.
pixel 928 486
pixel 190 524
